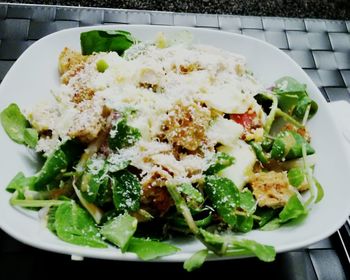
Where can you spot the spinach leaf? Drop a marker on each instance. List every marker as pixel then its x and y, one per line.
pixel 230 246
pixel 266 144
pixel 302 106
pixel 290 85
pixel 57 163
pixel 194 197
pixel 266 214
pixel 30 137
pixel 214 242
pixel 126 190
pixel 94 181
pixel 296 176
pixel 93 186
pixel 75 225
pixel 248 204
pixel 19 182
pixel 17 127
pixel 147 249
pixel 105 41
pixel 51 219
pixel 180 222
pixel 196 260
pixel 293 98
pixel 271 225
pixel 244 223
pixel 292 210
pixel 288 91
pixel 120 230
pixel 264 253
pixel 247 201
pixel 262 157
pixel 225 197
pixel 288 145
pixel 122 135
pixel 218 162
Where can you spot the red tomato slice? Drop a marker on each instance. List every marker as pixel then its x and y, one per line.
pixel 245 119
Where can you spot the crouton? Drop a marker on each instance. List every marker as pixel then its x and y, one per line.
pixel 186 126
pixel 69 59
pixel 271 189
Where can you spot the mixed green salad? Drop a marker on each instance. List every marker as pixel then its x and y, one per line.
pixel 129 172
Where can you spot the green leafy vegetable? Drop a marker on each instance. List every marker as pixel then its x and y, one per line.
pixel 120 230
pixel 296 176
pixel 75 225
pixel 244 223
pixel 230 246
pixel 182 208
pixel 247 201
pixel 53 166
pixel 94 182
pixel 17 127
pixel 293 98
pixel 196 260
pixel 199 223
pixel 264 253
pixel 105 41
pixel 225 197
pixel 248 204
pixel 193 196
pixel 272 225
pixel 56 164
pixel 292 210
pixel 34 203
pixel 288 144
pixel 214 242
pixel 266 215
pixel 51 219
pixel 302 107
pixel 262 157
pixel 126 191
pixel 19 182
pixel 147 249
pixel 30 137
pixel 320 191
pixel 219 162
pixel 122 135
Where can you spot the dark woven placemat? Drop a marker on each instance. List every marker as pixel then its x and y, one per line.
pixel 320 47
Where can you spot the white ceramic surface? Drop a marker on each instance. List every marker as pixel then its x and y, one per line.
pixel 35 73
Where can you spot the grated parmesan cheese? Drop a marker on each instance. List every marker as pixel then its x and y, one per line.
pixel 167 83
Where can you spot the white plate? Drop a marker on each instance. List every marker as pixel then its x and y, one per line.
pixel 35 73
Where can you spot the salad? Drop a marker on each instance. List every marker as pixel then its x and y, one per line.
pixel 144 141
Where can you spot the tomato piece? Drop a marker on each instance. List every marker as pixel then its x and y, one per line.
pixel 246 119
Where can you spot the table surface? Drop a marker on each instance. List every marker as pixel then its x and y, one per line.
pixel 331 9
pixel 320 47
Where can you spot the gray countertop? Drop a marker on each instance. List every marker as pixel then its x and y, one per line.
pixel 327 9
